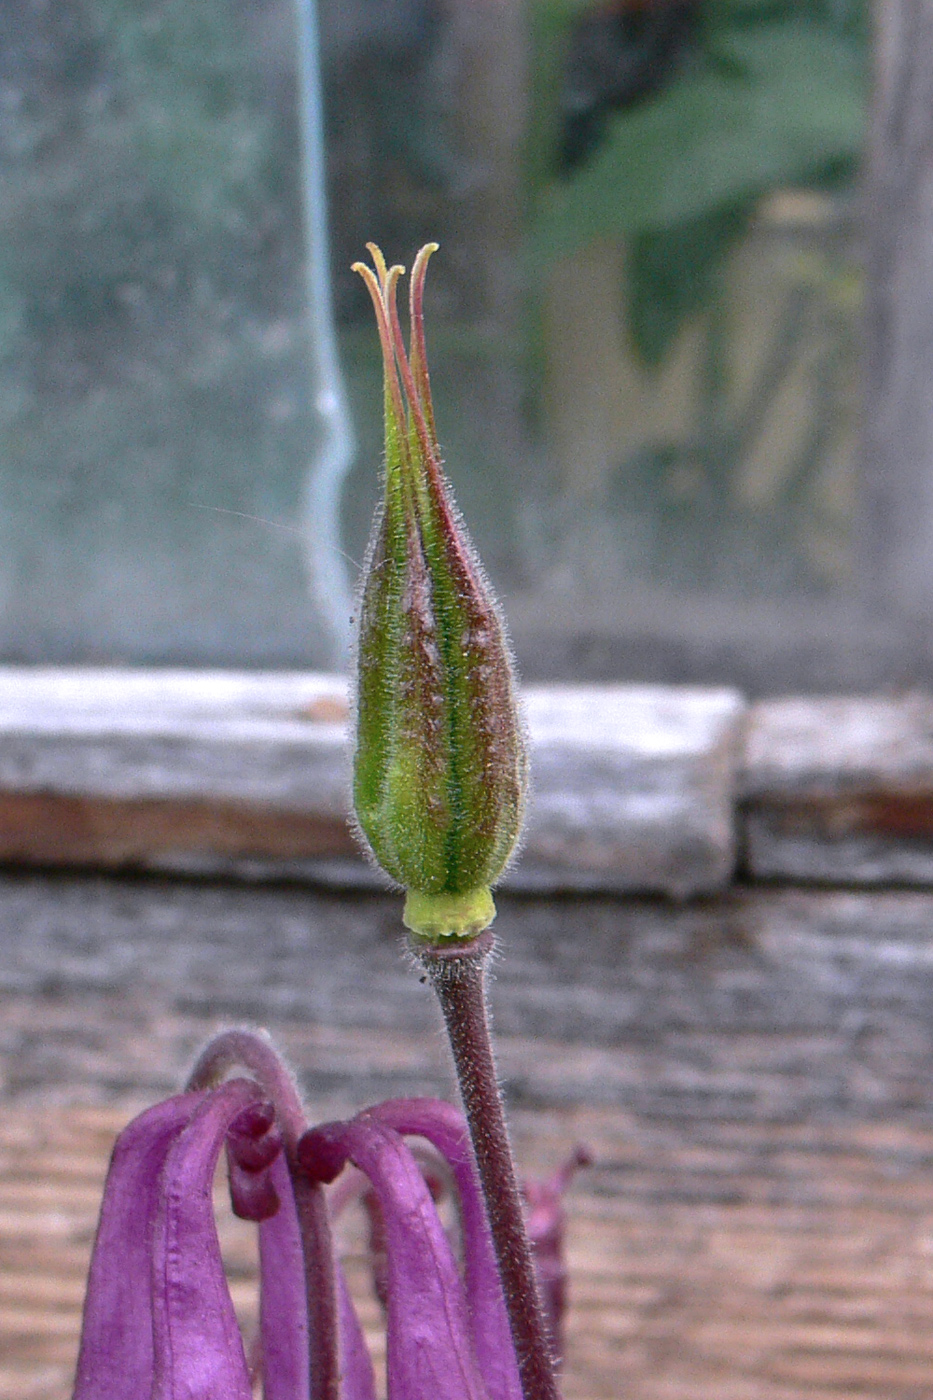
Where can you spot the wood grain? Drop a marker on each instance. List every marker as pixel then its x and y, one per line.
pixel 810 1278
pixel 752 1074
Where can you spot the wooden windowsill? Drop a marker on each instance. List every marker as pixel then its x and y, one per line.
pixel 637 788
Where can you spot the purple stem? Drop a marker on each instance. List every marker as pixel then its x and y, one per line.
pixel 459 978
pixel 247 1049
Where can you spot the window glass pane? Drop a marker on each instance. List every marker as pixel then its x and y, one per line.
pixel 154 377
pixel 643 316
pixel 642 322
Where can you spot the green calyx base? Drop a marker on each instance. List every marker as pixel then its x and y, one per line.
pixel 436 918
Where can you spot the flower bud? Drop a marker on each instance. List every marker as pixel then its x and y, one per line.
pixel 440 769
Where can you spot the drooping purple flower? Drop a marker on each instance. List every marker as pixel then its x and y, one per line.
pixel 158 1318
pixel 159 1322
pixel 445 1128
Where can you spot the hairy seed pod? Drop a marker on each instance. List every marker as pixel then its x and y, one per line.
pixel 440 768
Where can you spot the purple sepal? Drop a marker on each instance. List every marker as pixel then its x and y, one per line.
pixel 252 1194
pixel 430 1353
pixel 116 1357
pixel 198 1351
pixel 445 1128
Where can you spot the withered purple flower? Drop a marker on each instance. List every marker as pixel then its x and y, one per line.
pixel 159 1323
pixel 546 1222
pixel 440 764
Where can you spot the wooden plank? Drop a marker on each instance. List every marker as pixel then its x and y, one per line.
pixel 752 1074
pixel 839 790
pixel 633 789
pixel 679 1299
pixel 750 1010
pixel 224 772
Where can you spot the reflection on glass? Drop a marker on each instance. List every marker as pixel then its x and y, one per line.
pixel 655 440
pixel 727 465
pixel 692 166
pixel 643 319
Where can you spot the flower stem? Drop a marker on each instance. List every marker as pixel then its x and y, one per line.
pixel 458 976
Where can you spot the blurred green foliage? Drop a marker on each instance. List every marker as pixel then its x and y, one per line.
pixel 772 94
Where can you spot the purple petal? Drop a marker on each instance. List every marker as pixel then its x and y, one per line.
pixel 445 1127
pixel 429 1348
pixel 283 1315
pixel 116 1357
pixel 198 1348
pixel 254 1141
pixel 357 1381
pixel 356 1367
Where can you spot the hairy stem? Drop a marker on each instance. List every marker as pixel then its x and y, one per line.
pixel 458 977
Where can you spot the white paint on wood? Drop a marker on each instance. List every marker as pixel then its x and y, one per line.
pixel 809 746
pixel 839 790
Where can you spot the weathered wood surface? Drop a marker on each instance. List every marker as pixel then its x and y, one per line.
pixel 840 790
pixel 760 1006
pixel 632 789
pixel 636 788
pixel 674 1296
pixel 753 1074
pixel 222 772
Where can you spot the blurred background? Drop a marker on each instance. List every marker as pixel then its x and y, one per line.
pixel 680 335
pixel 644 326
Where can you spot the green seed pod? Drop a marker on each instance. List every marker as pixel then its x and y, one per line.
pixel 440 769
